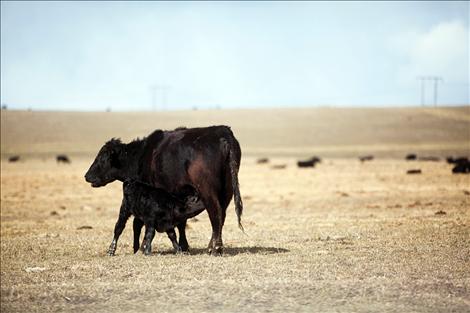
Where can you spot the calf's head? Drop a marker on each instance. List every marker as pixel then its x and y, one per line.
pixel 108 164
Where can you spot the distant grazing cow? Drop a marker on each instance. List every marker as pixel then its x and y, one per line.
pixel 452 160
pixel 462 166
pixel 62 158
pixel 159 210
pixel 410 157
pixel 14 158
pixel 206 158
pixel 262 160
pixel 366 158
pixel 310 162
pixel 429 158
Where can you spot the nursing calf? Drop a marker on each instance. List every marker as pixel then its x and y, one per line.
pixel 159 211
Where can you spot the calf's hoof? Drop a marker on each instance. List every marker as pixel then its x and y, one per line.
pixel 111 249
pixel 178 250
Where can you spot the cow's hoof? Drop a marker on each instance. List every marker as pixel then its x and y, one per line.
pixel 184 247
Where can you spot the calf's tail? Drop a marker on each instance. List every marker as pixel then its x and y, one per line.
pixel 234 165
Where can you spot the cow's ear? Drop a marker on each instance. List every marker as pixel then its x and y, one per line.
pixel 115 162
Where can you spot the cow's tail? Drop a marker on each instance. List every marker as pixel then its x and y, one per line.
pixel 234 166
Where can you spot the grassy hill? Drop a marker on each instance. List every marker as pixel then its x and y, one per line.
pixel 328 132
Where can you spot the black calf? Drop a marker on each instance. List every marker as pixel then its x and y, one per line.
pixel 157 209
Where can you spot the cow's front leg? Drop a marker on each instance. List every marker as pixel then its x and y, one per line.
pixel 172 236
pixel 149 234
pixel 118 228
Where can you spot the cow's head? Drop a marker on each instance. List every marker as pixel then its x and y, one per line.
pixel 107 166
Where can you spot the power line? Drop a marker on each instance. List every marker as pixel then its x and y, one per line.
pixel 154 89
pixel 435 80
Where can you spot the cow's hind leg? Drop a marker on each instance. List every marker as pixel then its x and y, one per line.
pixel 137 227
pixel 217 218
pixel 183 242
pixel 172 236
pixel 149 234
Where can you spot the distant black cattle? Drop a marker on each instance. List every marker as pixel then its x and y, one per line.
pixel 14 158
pixel 206 158
pixel 309 163
pixel 159 210
pixel 462 166
pixel 262 160
pixel 414 171
pixel 62 158
pixel 410 157
pixel 429 158
pixel 452 160
pixel 366 158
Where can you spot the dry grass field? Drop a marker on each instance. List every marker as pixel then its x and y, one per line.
pixel 342 237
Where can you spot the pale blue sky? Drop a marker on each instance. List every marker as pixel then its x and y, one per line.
pixel 94 55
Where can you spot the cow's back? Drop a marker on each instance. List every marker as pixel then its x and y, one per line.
pixel 193 156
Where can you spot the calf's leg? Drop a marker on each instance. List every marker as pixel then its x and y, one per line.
pixel 183 243
pixel 172 235
pixel 149 234
pixel 137 227
pixel 119 227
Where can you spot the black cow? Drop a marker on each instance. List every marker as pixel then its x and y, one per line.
pixel 159 210
pixel 462 165
pixel 429 158
pixel 206 158
pixel 452 160
pixel 262 160
pixel 366 158
pixel 14 158
pixel 309 163
pixel 62 158
pixel 411 157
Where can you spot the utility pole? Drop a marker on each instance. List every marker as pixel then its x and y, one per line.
pixel 436 80
pixel 422 79
pixel 154 90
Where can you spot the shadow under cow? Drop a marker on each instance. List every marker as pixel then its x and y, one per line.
pixel 232 251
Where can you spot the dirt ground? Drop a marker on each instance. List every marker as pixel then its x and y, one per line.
pixel 344 236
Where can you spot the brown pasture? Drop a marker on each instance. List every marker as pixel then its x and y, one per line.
pixel 344 236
